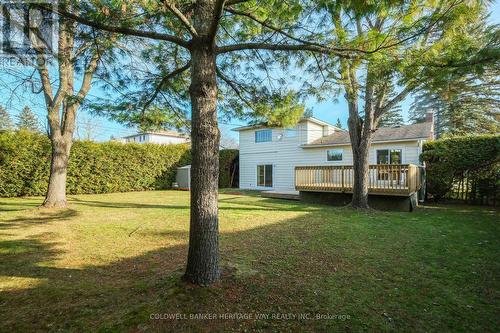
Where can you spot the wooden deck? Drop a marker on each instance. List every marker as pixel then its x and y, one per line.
pixel 383 179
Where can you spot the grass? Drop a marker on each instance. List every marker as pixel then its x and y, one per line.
pixel 111 262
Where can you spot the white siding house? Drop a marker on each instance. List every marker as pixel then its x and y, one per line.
pixel 268 156
pixel 161 138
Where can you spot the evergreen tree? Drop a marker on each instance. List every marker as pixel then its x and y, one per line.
pixel 468 104
pixel 338 123
pixel 27 120
pixel 463 89
pixel 210 57
pixel 5 121
pixel 392 117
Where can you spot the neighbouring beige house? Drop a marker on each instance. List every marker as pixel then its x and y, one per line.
pixel 165 137
pixel 317 156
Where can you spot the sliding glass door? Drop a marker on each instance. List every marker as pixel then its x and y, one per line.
pixel 389 156
pixel 265 175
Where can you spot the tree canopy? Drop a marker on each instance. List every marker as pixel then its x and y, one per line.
pixel 27 120
pixel 5 119
pixel 463 89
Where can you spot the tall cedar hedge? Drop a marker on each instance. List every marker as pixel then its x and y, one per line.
pixel 450 160
pixel 93 167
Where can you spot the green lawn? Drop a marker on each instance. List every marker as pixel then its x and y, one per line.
pixel 111 262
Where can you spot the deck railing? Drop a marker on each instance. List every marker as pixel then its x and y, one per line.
pixel 391 179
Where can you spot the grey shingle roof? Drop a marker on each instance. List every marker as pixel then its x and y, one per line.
pixel 414 131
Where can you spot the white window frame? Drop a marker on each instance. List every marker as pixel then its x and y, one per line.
pixel 257 176
pixel 403 157
pixel 263 130
pixel 337 161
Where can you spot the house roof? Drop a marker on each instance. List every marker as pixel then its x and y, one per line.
pixel 383 134
pixel 311 119
pixel 162 133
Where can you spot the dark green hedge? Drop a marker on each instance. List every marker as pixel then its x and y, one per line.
pixel 93 167
pixel 466 164
pixel 228 167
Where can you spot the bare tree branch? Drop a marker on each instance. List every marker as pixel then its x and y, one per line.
pixel 393 102
pixel 233 86
pixel 159 87
pixel 121 30
pixel 87 77
pixel 219 8
pixel 267 25
pixel 341 52
pixel 184 20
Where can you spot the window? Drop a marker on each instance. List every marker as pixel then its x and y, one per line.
pixel 290 133
pixel 263 136
pixel 389 156
pixel 334 155
pixel 265 175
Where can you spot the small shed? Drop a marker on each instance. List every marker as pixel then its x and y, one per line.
pixel 183 177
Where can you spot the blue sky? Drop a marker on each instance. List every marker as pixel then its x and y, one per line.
pixel 102 129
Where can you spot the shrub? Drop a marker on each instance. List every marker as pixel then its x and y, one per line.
pixel 228 167
pixel 93 167
pixel 24 163
pixel 464 164
pixel 96 167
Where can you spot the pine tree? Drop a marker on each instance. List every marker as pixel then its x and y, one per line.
pixel 463 90
pixel 27 120
pixel 392 117
pixel 338 123
pixel 5 121
pixel 468 104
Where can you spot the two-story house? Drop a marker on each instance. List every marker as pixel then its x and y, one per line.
pixel 270 157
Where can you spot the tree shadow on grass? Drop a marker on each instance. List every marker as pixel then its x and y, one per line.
pixel 43 216
pixel 17 206
pixel 121 296
pixel 290 266
pixel 107 204
pixel 262 205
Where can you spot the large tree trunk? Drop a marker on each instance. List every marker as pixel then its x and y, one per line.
pixel 360 144
pixel 203 257
pixel 360 132
pixel 361 174
pixel 56 192
pixel 360 137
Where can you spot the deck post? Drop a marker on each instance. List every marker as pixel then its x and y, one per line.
pixel 343 187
